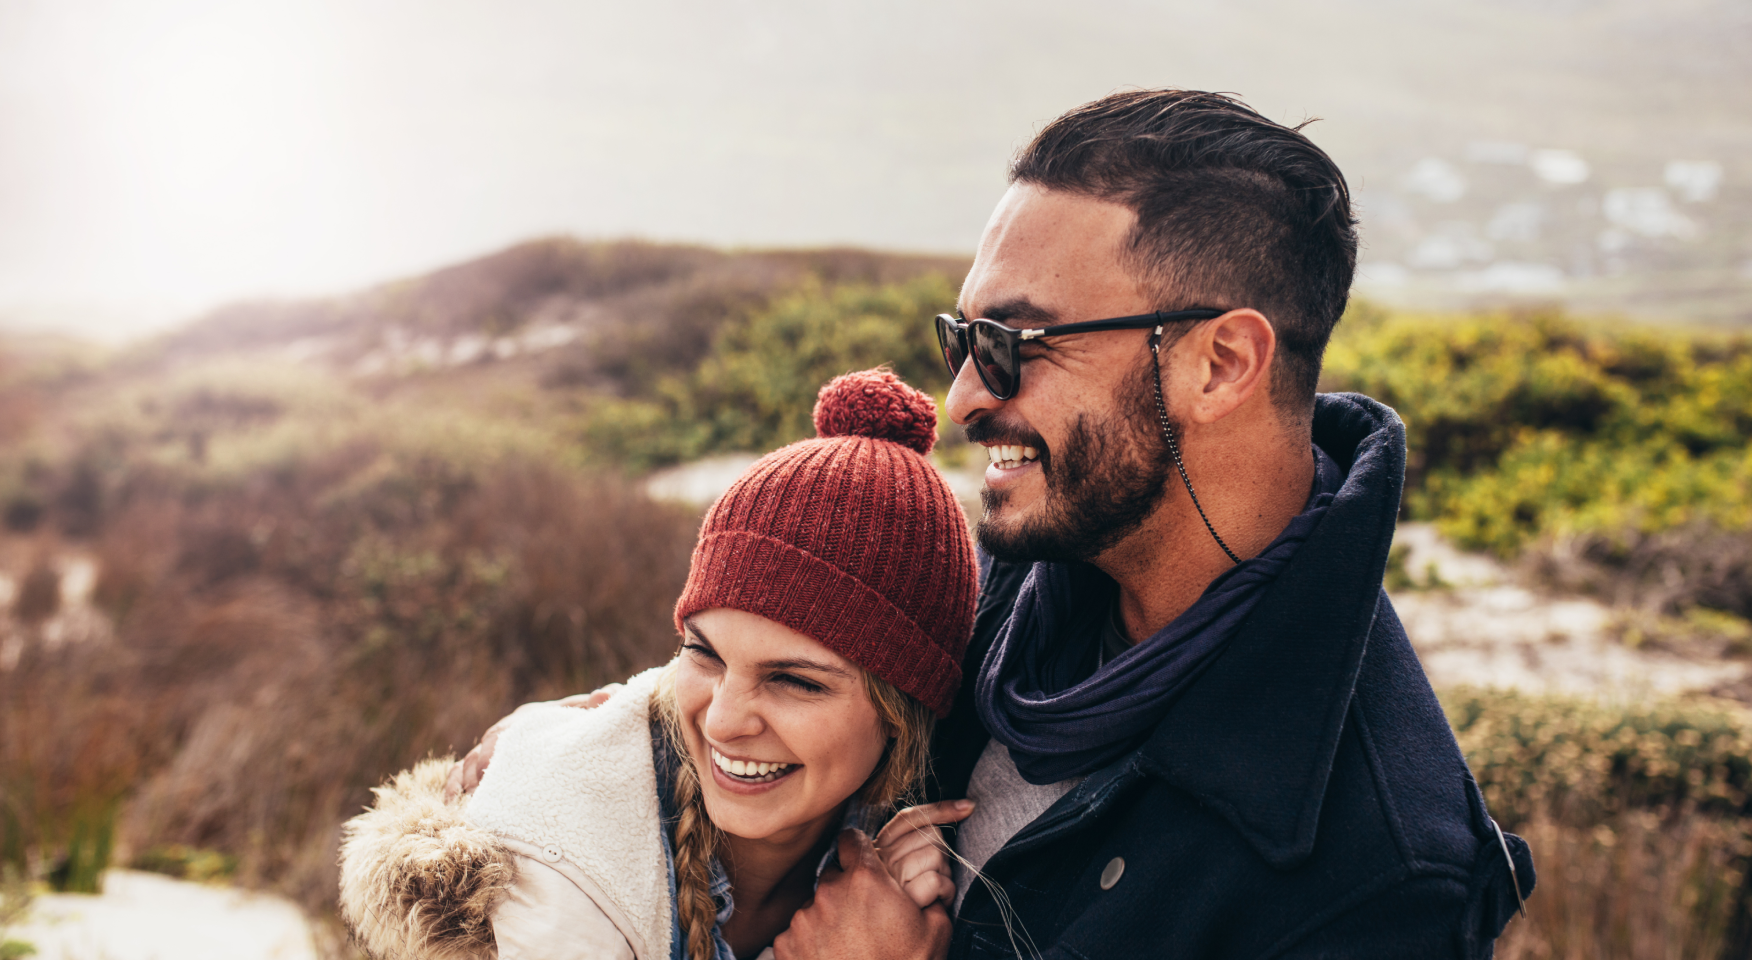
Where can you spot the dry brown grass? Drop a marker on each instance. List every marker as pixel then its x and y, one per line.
pixel 1638 816
pixel 1640 887
pixel 285 642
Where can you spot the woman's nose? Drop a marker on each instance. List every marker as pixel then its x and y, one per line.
pixel 732 713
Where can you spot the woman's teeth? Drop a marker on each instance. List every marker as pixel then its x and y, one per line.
pixel 1009 456
pixel 750 770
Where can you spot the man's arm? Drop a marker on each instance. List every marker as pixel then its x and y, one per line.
pixel 1421 917
pixel 465 774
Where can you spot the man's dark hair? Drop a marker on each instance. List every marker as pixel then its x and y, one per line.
pixel 1233 211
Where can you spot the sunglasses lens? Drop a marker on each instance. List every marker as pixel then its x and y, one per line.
pixel 997 365
pixel 949 339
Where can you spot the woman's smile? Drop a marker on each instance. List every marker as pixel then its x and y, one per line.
pixel 732 773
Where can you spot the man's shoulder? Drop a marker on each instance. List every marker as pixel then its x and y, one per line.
pixel 1370 757
pixel 1426 792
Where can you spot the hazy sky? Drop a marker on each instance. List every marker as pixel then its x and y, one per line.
pixel 157 156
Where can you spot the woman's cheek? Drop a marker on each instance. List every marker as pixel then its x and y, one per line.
pixel 693 694
pixel 843 741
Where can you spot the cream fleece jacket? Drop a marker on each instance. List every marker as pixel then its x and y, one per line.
pixel 559 855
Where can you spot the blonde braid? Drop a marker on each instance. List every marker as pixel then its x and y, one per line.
pixel 696 837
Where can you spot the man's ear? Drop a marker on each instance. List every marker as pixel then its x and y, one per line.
pixel 1221 363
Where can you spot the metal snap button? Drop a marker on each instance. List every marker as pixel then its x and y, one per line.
pixel 552 853
pixel 1111 873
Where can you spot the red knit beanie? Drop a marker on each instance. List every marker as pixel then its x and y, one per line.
pixel 852 538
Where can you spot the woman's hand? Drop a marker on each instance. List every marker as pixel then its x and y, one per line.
pixel 915 853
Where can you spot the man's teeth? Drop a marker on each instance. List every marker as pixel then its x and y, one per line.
pixel 749 769
pixel 1011 455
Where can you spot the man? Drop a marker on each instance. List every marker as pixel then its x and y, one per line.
pixel 1190 717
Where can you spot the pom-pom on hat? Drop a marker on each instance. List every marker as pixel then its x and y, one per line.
pixel 852 538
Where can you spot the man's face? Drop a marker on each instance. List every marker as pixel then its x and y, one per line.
pixel 1077 458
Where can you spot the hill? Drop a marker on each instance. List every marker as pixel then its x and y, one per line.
pixel 249 569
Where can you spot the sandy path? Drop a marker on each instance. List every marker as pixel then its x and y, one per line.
pixel 1484 629
pixel 144 916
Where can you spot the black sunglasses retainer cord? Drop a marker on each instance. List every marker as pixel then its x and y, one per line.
pixel 1174 444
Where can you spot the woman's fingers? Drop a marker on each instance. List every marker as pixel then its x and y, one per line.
pixel 906 845
pixel 467 774
pixel 922 818
pixel 928 888
pixel 914 830
pixel 913 850
pixel 921 861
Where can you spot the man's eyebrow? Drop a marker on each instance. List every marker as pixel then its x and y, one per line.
pixel 800 663
pixel 1020 311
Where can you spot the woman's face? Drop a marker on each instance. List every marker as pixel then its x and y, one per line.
pixel 781 728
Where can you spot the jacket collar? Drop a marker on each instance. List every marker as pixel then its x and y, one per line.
pixel 1255 736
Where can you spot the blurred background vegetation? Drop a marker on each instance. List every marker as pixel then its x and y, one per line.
pixel 258 564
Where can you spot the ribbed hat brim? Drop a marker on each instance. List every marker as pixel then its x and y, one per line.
pixel 778 581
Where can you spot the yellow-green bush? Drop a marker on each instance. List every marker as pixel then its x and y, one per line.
pixel 187 863
pixel 1524 426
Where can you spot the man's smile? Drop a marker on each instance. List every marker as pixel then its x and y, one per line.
pixel 1009 462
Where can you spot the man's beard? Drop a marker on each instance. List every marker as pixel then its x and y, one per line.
pixel 1100 487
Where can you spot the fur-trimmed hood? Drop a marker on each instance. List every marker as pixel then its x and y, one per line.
pixel 417 879
pixel 571 790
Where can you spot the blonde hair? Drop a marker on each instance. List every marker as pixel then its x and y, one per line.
pixel 903 767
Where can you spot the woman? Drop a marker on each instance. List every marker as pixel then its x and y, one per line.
pixel 826 611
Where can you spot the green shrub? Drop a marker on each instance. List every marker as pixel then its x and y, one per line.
pixel 1522 427
pixel 757 387
pixel 86 854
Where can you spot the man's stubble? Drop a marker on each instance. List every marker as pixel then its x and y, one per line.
pixel 1101 485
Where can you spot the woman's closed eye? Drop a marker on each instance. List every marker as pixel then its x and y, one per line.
pixel 797 682
pixel 701 651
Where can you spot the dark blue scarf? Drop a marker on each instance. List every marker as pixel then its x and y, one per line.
pixel 1032 693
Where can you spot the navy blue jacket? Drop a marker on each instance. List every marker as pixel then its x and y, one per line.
pixel 1303 798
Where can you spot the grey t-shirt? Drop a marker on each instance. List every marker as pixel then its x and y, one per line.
pixel 1006 804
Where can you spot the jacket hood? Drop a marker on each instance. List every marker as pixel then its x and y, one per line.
pixel 1256 736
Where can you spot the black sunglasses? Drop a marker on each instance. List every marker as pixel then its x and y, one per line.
pixel 997 349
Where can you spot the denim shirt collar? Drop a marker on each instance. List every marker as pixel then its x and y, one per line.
pixel 720 886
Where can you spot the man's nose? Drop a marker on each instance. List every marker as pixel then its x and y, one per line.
pixel 968 398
